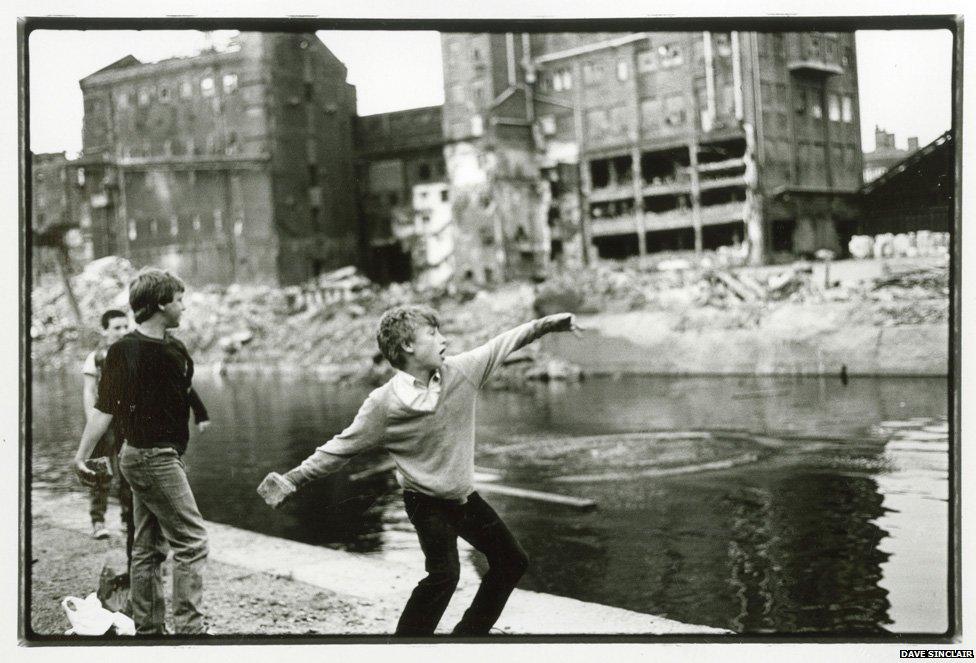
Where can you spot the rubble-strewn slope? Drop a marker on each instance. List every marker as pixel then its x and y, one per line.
pixel 327 326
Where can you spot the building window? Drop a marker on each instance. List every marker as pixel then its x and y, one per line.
pixel 230 83
pixel 646 61
pixel 393 198
pixel 670 55
pixel 444 196
pixel 816 110
pixel 133 234
pixel 623 70
pixel 423 171
pixel 833 107
pixel 846 109
pixel 186 89
pixel 164 93
pixel 674 110
pixel 218 217
pixel 239 226
pixel 122 100
pixel 207 86
pixel 196 223
pixel 562 79
pixel 80 176
pixel 143 96
pixel 174 225
pixel 475 54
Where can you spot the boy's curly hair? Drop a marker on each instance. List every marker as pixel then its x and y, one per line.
pixel 398 326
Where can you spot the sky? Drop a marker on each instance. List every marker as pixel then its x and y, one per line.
pixel 904 76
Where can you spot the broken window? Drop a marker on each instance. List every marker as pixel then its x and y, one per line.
pixel 674 110
pixel 600 173
pixel 846 109
pixel 670 54
pixel 816 110
pixel 833 108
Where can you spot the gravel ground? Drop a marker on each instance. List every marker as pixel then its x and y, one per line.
pixel 237 601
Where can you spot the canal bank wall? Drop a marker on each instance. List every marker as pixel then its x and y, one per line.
pixel 792 340
pixel 362 593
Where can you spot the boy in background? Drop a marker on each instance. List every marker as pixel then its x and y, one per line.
pixel 425 418
pixel 115 324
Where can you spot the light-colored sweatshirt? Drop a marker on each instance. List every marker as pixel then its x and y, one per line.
pixel 433 450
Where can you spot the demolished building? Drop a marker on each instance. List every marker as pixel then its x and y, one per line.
pixel 563 144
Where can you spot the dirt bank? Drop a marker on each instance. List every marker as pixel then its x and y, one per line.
pixel 719 320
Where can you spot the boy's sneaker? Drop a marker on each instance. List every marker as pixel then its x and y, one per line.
pixel 99 531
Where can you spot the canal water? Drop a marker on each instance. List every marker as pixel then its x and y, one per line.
pixel 762 505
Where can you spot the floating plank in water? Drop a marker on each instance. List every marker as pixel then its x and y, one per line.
pixel 480 474
pixel 663 472
pixel 577 502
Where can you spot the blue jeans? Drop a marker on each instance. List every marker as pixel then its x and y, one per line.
pixel 164 511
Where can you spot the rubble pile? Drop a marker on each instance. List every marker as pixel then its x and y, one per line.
pixel 56 336
pixel 327 325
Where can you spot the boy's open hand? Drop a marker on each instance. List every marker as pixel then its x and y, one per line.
pixel 562 322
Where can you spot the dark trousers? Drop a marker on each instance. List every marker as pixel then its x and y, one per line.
pixel 438 523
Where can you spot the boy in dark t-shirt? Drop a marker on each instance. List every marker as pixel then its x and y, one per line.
pixel 146 386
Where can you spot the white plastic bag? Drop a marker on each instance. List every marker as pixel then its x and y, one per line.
pixel 87 616
pixel 123 624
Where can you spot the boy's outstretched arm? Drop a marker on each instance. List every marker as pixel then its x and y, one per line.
pixel 364 432
pixel 480 362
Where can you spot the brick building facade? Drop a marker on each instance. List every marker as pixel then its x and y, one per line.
pixel 228 166
pixel 629 143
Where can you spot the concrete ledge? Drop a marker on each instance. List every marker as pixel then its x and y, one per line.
pixel 384 579
pixel 814 341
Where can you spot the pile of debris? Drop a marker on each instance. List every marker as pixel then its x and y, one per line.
pixel 56 333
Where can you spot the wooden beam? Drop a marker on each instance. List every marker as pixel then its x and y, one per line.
pixel 576 502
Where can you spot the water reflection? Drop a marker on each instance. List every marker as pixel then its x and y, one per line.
pixel 818 534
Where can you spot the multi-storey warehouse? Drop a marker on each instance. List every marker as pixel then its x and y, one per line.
pixel 231 165
pixel 680 141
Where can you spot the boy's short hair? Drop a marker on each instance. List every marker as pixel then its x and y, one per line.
pixel 398 326
pixel 151 288
pixel 110 315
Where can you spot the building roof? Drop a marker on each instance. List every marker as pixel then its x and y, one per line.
pixel 909 162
